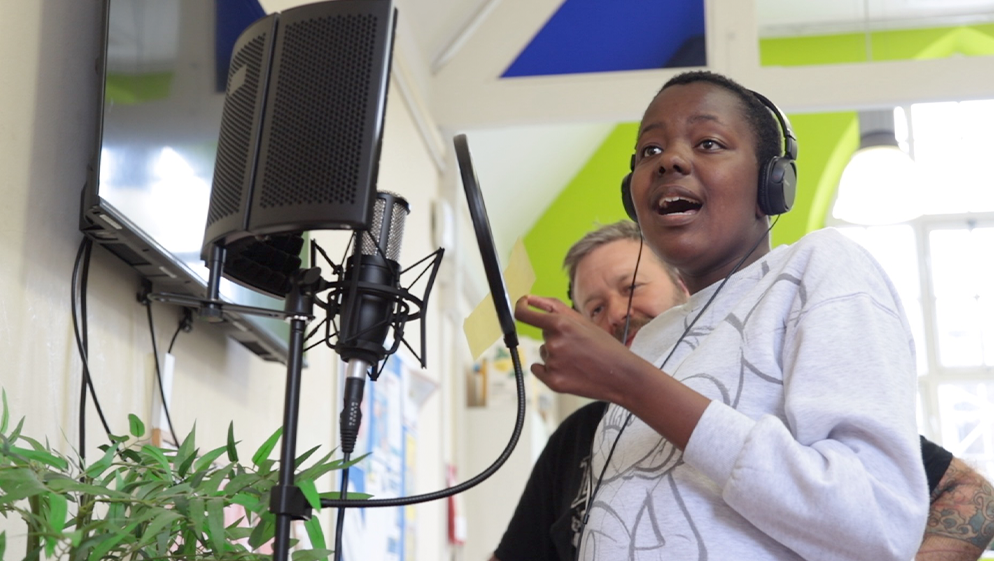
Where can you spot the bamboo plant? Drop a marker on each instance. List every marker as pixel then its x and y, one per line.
pixel 139 501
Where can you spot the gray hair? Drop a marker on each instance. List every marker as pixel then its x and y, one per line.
pixel 621 230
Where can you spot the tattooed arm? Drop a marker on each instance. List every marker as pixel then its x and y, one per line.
pixel 961 517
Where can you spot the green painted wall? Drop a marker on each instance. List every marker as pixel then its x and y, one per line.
pixel 910 44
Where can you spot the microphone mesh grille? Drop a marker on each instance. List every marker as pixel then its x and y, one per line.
pixel 397 215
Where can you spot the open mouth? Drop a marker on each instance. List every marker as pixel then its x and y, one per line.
pixel 678 205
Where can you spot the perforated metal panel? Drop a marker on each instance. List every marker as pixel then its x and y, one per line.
pixel 238 139
pixel 233 148
pixel 300 139
pixel 314 156
pixel 322 132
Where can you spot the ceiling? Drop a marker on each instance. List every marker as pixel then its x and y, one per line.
pixel 494 70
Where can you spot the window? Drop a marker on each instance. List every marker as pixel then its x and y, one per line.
pixel 942 265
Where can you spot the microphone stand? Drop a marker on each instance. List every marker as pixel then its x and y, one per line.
pixel 286 500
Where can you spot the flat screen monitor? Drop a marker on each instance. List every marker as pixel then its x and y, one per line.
pixel 163 71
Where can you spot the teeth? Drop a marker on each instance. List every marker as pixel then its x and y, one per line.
pixel 682 205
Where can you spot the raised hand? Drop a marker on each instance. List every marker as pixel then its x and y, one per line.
pixel 577 356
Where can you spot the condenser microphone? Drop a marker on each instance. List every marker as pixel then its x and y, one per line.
pixel 370 302
pixel 372 280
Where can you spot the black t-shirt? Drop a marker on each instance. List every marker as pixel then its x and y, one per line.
pixel 936 460
pixel 552 503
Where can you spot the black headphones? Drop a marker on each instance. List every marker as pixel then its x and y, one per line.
pixel 777 179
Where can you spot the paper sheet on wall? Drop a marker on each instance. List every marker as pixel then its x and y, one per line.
pixel 481 327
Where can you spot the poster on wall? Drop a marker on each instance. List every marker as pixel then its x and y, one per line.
pixel 388 434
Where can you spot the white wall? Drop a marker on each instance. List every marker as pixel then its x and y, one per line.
pixel 48 96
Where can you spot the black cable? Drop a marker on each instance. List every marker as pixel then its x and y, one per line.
pixel 158 373
pixel 79 287
pixel 84 274
pixel 631 290
pixel 340 524
pixel 185 324
pixel 468 484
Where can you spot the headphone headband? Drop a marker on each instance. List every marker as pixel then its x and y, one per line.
pixel 789 140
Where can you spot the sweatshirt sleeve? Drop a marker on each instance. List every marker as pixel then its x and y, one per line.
pixel 840 475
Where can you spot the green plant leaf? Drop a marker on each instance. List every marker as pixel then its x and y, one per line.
pixel 16 433
pixel 213 482
pixel 310 493
pixel 186 451
pixel 159 524
pixel 131 456
pixel 322 467
pixel 147 491
pixel 232 450
pixel 215 524
pixel 197 516
pixel 264 530
pixel 20 483
pixel 236 532
pixel 136 426
pixel 301 458
pixel 101 465
pixel 58 508
pixel 266 466
pixel 4 419
pixel 240 482
pixel 350 496
pixel 35 445
pixel 41 456
pixel 108 542
pixel 205 461
pixel 117 438
pixel 162 542
pixel 63 484
pixel 311 554
pixel 160 458
pixel 3 535
pixel 55 515
pixel 262 454
pixel 73 537
pixel 187 463
pixel 314 531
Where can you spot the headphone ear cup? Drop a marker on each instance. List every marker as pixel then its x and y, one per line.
pixel 626 197
pixel 777 186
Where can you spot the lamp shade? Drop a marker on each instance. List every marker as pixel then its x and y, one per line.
pixel 880 184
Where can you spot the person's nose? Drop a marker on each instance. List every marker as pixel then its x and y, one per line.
pixel 617 311
pixel 674 160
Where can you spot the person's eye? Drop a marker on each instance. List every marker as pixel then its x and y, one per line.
pixel 650 151
pixel 630 288
pixel 595 311
pixel 710 144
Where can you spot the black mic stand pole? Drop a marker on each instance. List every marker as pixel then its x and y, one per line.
pixel 286 500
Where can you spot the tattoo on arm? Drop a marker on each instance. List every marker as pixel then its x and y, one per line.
pixel 962 507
